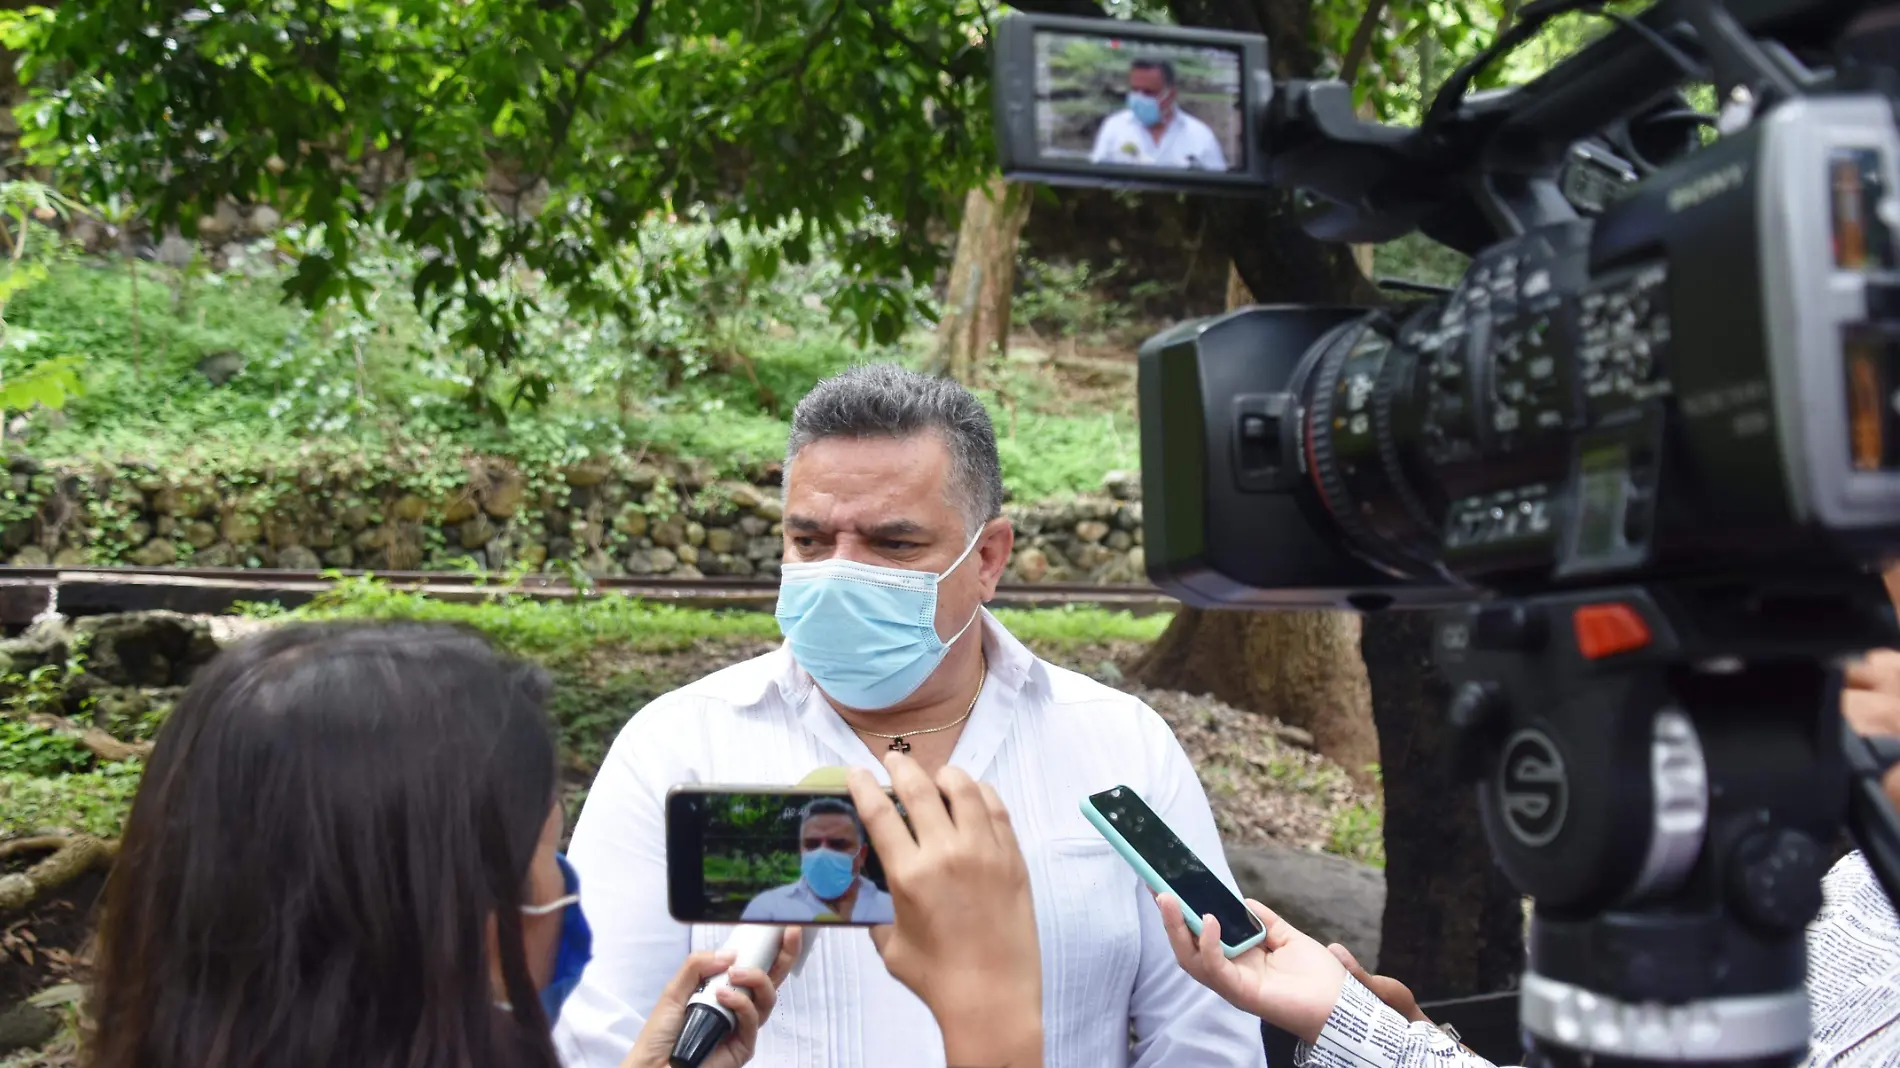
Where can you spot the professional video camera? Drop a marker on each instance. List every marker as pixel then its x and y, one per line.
pixel 1648 447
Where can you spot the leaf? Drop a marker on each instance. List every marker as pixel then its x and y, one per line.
pixel 48 384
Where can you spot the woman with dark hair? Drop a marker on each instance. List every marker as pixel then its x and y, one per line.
pixel 344 855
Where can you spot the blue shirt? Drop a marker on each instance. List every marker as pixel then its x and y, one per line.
pixel 798 903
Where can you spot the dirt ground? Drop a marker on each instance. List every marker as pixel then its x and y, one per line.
pixel 1265 787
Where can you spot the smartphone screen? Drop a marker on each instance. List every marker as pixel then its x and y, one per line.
pixel 771 855
pixel 1200 890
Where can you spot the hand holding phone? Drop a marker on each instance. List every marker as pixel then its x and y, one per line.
pixel 1168 866
pixel 1287 979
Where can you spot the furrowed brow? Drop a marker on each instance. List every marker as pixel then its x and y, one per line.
pixel 896 528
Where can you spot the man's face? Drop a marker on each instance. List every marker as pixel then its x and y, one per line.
pixel 1150 80
pixel 886 501
pixel 836 832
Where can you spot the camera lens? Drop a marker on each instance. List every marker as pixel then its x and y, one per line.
pixel 1360 393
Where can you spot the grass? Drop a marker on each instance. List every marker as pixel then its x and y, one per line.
pixel 542 629
pixel 565 629
pixel 600 649
pixel 1077 625
pixel 1358 832
pixel 716 386
pixel 34 750
pixel 93 801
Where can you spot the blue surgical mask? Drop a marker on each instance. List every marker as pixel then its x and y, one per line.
pixel 867 634
pixel 577 941
pixel 1146 108
pixel 828 873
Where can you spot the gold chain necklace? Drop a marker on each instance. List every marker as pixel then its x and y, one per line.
pixel 897 740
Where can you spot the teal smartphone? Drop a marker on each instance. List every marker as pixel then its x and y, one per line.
pixel 1168 866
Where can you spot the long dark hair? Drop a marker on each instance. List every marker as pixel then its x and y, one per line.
pixel 328 819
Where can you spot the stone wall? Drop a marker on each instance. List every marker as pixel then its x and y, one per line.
pixel 607 517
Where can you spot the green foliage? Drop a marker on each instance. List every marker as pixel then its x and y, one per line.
pixel 495 139
pixel 1416 258
pixel 382 382
pixel 546 628
pixel 35 750
pixel 1418 44
pixel 1358 832
pixel 590 711
pixel 745 873
pixel 1047 456
pixel 1075 624
pixel 95 802
pixel 46 382
pixel 565 628
pixel 374 398
pixel 1052 442
pixel 1062 300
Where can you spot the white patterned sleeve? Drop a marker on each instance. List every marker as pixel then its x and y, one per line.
pixel 1364 1032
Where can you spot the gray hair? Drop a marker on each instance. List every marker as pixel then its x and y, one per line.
pixel 832 806
pixel 885 400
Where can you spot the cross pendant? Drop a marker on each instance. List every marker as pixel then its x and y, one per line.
pixel 900 745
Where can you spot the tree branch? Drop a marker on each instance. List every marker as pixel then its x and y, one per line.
pixel 635 33
pixel 812 41
pixel 41 844
pixel 1361 43
pixel 97 742
pixel 883 28
pixel 77 855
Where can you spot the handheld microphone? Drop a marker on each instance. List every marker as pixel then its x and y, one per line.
pixel 708 1022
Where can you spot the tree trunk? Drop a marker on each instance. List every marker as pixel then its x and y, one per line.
pixel 982 279
pixel 1302 668
pixel 1443 930
pixel 1454 925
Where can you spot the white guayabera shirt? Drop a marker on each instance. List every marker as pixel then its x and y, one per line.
pixel 1045 738
pixel 1853 995
pixel 1185 142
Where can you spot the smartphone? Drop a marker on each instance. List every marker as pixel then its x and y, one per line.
pixel 771 854
pixel 1169 867
pixel 1085 101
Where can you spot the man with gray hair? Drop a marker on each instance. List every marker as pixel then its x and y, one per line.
pixel 894 539
pixel 831 885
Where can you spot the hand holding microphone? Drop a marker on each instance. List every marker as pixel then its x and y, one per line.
pixel 744 989
pixel 965 940
pixel 719 1008
pixel 732 1001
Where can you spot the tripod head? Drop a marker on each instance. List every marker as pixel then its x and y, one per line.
pixel 1664 770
